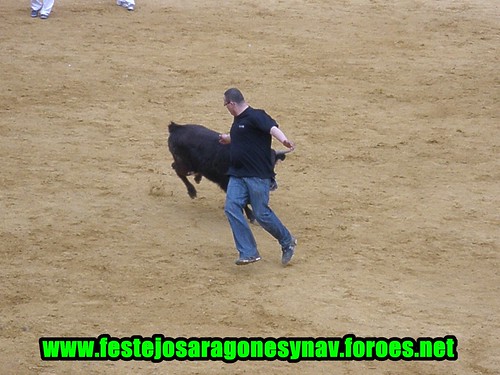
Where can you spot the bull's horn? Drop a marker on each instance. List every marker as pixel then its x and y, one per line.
pixel 283 152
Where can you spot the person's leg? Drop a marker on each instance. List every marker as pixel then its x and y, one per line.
pixel 36 5
pixel 131 5
pixel 259 199
pixel 46 8
pixel 236 199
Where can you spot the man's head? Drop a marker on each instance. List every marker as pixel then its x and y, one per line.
pixel 234 101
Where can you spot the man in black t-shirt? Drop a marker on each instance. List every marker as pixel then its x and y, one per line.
pixel 251 175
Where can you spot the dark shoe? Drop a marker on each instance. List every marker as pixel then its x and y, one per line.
pixel 288 252
pixel 34 13
pixel 243 261
pixel 44 16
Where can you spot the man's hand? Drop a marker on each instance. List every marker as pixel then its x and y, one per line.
pixel 225 139
pixel 289 144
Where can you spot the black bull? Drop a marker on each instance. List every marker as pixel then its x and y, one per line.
pixel 197 151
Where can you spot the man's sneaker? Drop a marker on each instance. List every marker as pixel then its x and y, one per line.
pixel 121 3
pixel 130 7
pixel 34 13
pixel 44 16
pixel 243 261
pixel 288 252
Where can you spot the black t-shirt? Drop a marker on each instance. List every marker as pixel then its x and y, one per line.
pixel 251 144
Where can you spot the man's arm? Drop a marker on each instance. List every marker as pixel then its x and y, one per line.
pixel 280 136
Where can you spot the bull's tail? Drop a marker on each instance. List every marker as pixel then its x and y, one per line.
pixel 173 126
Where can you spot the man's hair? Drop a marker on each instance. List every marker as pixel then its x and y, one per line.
pixel 234 95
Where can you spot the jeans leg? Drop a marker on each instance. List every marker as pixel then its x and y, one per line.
pixel 258 190
pixel 236 199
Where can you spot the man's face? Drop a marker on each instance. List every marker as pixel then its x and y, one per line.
pixel 229 106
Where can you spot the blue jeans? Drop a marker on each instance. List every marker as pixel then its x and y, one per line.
pixel 253 190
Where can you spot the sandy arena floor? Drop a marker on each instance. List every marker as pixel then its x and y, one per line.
pixel 393 191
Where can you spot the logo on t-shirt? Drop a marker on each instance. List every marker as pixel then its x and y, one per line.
pixel 241 126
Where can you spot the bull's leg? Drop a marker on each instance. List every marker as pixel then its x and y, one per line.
pixel 182 171
pixel 249 213
pixel 190 188
pixel 197 177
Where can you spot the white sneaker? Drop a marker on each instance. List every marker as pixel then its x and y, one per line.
pixel 130 7
pixel 122 3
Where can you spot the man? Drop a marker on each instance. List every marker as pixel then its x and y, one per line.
pixel 251 175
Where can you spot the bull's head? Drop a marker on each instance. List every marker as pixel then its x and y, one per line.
pixel 281 155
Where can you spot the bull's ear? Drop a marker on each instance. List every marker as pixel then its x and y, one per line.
pixel 281 155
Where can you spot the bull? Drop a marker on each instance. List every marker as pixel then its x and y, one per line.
pixel 197 152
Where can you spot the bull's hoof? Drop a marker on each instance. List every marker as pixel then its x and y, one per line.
pixel 192 193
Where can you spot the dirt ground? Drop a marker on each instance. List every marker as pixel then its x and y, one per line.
pixel 393 190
